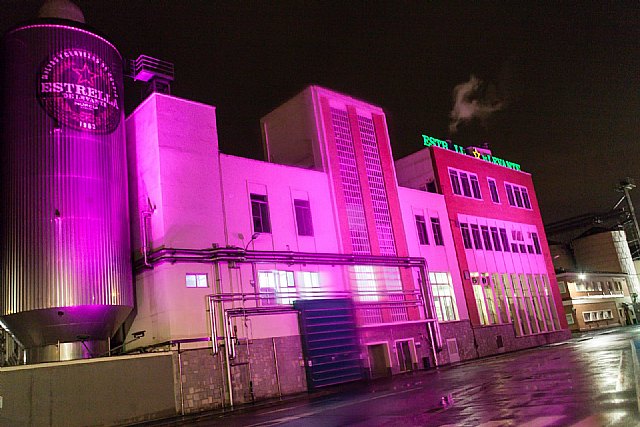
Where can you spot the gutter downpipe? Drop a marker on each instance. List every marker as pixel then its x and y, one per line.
pixel 144 215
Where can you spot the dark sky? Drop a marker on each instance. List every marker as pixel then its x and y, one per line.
pixel 565 73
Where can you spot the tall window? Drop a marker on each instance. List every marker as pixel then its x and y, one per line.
pixel 466 187
pixel 260 213
pixel 536 243
pixel 475 186
pixel 486 238
pixel 437 232
pixel 455 182
pixel 525 198
pixel 466 235
pixel 443 297
pixel 493 189
pixel 496 239
pixel 303 217
pixel 475 232
pixel 422 230
pixel 509 189
pixel 505 239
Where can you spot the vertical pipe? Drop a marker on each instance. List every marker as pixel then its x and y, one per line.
pixel 214 326
pixel 229 383
pixel 181 384
pixel 275 361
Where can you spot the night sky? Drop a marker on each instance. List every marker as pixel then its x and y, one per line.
pixel 558 85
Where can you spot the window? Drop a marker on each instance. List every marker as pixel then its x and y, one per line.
pixel 475 232
pixel 260 213
pixel 475 187
pixel 466 236
pixel 466 187
pixel 309 284
pixel 196 280
pixel 518 196
pixel 421 225
pixel 493 189
pixel 486 238
pixel 530 249
pixel 563 287
pixel 536 243
pixel 465 184
pixel 455 182
pixel 496 238
pixel 443 297
pixel 437 232
pixel 505 239
pixel 525 198
pixel 523 248
pixel 303 217
pixel 276 287
pixel 510 194
pixel 569 318
pixel 514 248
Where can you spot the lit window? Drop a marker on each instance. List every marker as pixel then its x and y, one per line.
pixel 475 232
pixel 276 287
pixel 303 217
pixel 443 297
pixel 422 230
pixel 493 189
pixel 437 232
pixel 563 287
pixel 309 282
pixel 260 213
pixel 569 318
pixel 466 236
pixel 195 280
pixel 455 182
pixel 486 238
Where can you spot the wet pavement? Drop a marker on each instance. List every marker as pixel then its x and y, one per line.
pixel 587 381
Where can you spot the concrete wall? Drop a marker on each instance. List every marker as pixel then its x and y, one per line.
pixel 98 392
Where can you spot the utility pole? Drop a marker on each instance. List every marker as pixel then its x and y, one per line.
pixel 625 186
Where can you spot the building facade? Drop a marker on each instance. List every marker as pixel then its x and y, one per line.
pixel 316 267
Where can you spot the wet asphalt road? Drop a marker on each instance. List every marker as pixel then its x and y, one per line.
pixel 584 382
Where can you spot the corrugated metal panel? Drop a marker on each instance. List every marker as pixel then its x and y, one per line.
pixel 329 341
pixel 64 239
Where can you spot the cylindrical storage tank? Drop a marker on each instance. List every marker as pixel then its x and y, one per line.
pixel 64 233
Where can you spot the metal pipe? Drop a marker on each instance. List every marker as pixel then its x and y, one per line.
pixel 214 326
pixel 181 385
pixel 275 360
pixel 144 215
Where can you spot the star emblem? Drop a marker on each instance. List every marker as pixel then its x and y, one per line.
pixel 476 153
pixel 84 74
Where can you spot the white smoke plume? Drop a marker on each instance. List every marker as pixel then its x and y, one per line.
pixel 474 99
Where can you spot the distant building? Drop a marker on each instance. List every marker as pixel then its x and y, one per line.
pixel 597 280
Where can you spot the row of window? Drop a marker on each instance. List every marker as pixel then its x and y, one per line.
pixel 436 229
pixel 466 184
pixel 606 287
pixel 262 222
pixel 593 316
pixel 524 300
pixel 496 239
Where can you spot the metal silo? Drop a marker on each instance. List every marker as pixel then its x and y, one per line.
pixel 64 236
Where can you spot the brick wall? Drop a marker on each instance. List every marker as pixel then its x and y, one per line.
pixel 253 373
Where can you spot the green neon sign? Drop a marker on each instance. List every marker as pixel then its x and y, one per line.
pixel 430 141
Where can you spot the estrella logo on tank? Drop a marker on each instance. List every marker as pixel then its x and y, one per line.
pixel 76 88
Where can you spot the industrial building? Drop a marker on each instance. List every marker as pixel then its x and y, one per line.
pixel 327 263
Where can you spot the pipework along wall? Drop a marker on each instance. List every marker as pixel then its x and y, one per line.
pixel 105 392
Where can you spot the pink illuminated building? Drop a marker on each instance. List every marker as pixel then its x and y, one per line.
pixel 316 267
pixel 507 273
